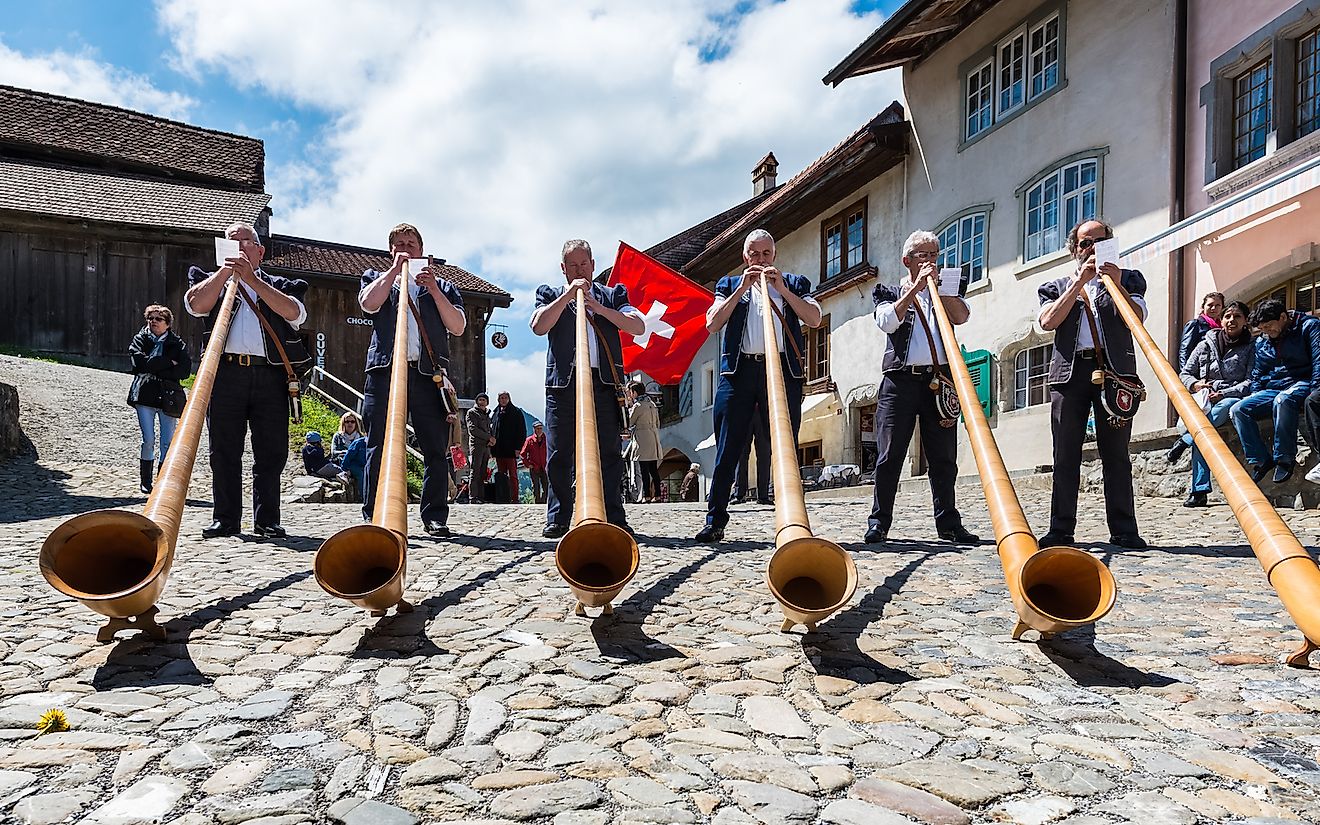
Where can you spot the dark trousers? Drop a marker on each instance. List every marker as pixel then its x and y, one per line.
pixel 650 478
pixel 432 429
pixel 905 399
pixel 1071 404
pixel 561 438
pixel 736 400
pixel 760 441
pixel 509 466
pixel 539 483
pixel 252 398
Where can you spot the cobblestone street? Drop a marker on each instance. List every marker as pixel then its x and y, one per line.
pixel 272 703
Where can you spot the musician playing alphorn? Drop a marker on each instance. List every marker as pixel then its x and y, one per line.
pixel 737 310
pixel 1074 396
pixel 609 312
pixel 906 396
pixel 251 388
pixel 440 306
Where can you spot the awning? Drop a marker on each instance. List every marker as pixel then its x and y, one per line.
pixel 1271 193
pixel 706 443
pixel 814 400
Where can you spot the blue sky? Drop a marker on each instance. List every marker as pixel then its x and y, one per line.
pixel 499 128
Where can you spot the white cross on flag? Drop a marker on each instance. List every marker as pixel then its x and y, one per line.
pixel 675 312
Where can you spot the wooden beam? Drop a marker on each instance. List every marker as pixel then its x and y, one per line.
pixel 924 28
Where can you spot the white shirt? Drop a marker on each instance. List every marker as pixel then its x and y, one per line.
pixel 414 337
pixel 245 333
pixel 1084 338
pixel 918 350
pixel 753 335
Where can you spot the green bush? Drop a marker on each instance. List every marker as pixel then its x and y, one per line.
pixel 318 416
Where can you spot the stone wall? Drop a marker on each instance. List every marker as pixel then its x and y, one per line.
pixel 1152 475
pixel 12 440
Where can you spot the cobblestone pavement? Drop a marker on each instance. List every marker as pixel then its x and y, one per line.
pixel 272 703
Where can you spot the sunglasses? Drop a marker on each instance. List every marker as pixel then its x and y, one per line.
pixel 1087 243
pixel 160 318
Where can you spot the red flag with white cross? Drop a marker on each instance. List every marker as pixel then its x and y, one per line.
pixel 675 312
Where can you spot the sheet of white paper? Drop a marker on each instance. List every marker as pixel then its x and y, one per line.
pixel 950 280
pixel 415 266
pixel 1106 251
pixel 225 248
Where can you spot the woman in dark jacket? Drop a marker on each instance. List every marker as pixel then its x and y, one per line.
pixel 1194 331
pixel 160 362
pixel 1221 367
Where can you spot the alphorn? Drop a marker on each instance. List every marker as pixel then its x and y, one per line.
pixel 810 577
pixel 117 562
pixel 1289 569
pixel 595 558
pixel 366 564
pixel 1054 588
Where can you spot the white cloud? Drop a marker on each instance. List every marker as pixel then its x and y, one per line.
pixel 82 76
pixel 503 128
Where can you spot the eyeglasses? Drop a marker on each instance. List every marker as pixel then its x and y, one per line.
pixel 160 318
pixel 1087 243
pixel 923 255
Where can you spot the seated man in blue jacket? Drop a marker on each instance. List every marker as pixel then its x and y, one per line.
pixel 1287 367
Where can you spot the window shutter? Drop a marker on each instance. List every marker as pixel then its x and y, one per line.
pixel 685 395
pixel 979 364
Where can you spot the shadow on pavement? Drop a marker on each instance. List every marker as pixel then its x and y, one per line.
pixel 833 650
pixel 139 661
pixel 1075 654
pixel 36 492
pixel 621 636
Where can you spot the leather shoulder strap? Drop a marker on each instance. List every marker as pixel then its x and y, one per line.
pixel 1095 330
pixel 930 338
pixel 438 375
pixel 270 333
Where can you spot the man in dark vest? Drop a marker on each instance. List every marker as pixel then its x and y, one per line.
pixel 609 311
pixel 440 308
pixel 251 390
pixel 910 361
pixel 743 349
pixel 1074 398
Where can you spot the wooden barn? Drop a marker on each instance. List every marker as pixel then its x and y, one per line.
pixel 103 210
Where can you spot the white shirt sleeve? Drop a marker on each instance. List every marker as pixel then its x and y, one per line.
pixel 187 304
pixel 362 294
pixel 886 318
pixel 1140 302
pixel 302 313
pixel 715 307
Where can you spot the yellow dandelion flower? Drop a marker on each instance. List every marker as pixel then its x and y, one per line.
pixel 53 721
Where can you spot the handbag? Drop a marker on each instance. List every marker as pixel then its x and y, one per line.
pixel 173 398
pixel 947 404
pixel 1120 395
pixel 456 455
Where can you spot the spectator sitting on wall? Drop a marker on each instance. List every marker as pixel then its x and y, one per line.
pixel 1195 330
pixel 315 462
pixel 350 430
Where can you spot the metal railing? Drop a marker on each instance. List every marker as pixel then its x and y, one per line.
pixel 321 392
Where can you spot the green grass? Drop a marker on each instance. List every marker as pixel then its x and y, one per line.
pixel 33 355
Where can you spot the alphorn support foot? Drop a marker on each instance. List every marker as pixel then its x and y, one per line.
pixel 404 606
pixel 1022 627
pixel 580 609
pixel 1301 657
pixel 789 624
pixel 145 621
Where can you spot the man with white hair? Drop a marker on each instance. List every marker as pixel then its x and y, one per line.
pixel 743 349
pixel 251 384
pixel 914 353
pixel 608 314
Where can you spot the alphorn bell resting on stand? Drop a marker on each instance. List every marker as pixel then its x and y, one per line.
pixel 745 353
pixel 367 564
pixel 436 313
pixel 1289 568
pixel 1089 339
pixel 116 562
pixel 1053 589
pixel 915 390
pixel 582 320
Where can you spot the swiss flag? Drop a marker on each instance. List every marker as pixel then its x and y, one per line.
pixel 675 312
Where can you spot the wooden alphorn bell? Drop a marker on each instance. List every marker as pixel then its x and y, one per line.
pixel 1052 589
pixel 595 558
pixel 1289 569
pixel 117 562
pixel 366 564
pixel 810 577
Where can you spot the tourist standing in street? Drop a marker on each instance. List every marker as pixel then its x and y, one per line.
pixel 533 458
pixel 480 439
pixel 510 429
pixel 160 362
pixel 645 418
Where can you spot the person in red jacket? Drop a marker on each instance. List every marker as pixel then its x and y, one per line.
pixel 533 458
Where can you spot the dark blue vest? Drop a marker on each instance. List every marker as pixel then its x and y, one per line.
pixel 560 353
pixel 731 341
pixel 1120 350
pixel 292 340
pixel 381 351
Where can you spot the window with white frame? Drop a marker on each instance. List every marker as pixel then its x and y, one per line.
pixel 708 385
pixel 1252 116
pixel 843 241
pixel 962 243
pixel 1057 202
pixel 1031 369
pixel 1011 74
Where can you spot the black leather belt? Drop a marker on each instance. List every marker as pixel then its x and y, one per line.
pixel 245 360
pixel 919 369
pixel 753 356
pixel 1088 354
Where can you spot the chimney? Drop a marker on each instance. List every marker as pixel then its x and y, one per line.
pixel 763 176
